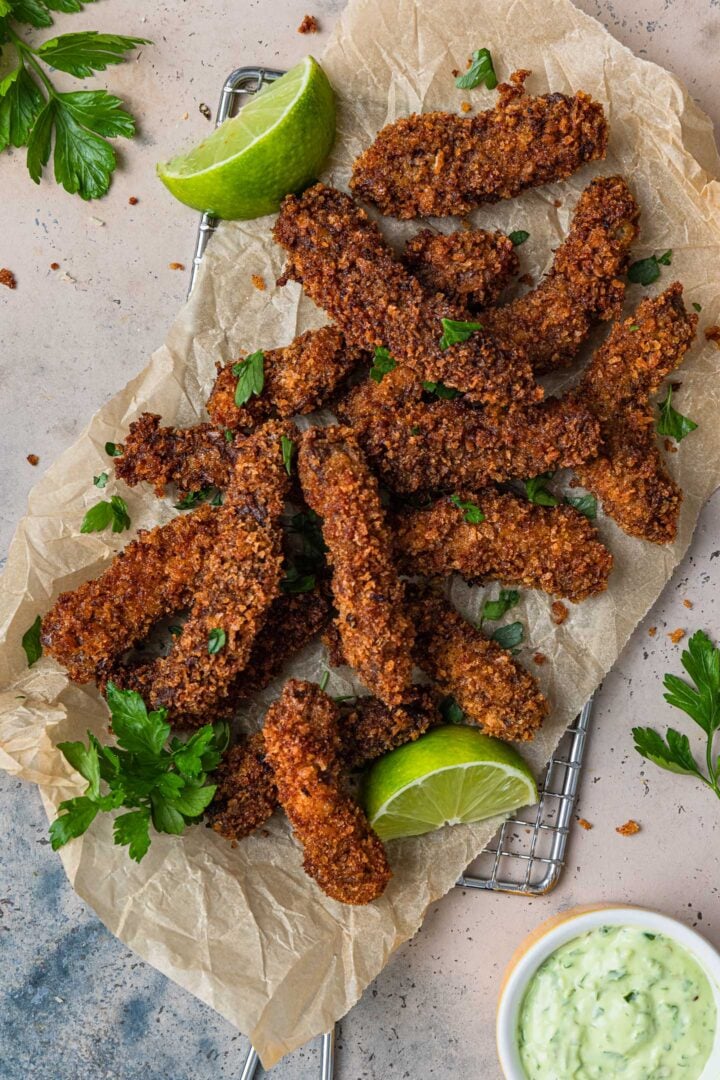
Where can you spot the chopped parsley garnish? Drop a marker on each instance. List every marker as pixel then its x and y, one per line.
pixel 586 504
pixel 288 449
pixel 192 499
pixel 456 331
pixel 295 582
pixel 495 609
pixel 439 389
pixel 229 435
pixel 31 642
pixel 165 785
pixel 304 566
pixel 325 679
pixel 481 70
pixel 633 327
pixel 217 639
pixel 509 636
pixel 250 374
pixel 471 512
pixel 537 492
pixel 671 422
pixel 175 630
pixel 698 307
pixel 101 480
pixel 518 237
pixel 451 711
pixel 645 271
pixel 383 364
pixel 112 449
pixel 114 512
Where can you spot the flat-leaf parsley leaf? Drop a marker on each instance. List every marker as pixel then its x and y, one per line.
pixel 31 642
pixel 471 512
pixel 481 70
pixel 671 422
pixel 383 364
pixel 645 271
pixel 114 512
pixel 250 374
pixel 456 331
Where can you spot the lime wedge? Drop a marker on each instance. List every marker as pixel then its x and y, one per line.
pixel 276 144
pixel 450 776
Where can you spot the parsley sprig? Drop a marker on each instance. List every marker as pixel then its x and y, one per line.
pixel 250 374
pixel 671 422
pixel 108 512
pixel 495 609
pixel 701 701
pixel 159 784
pixel 538 493
pixel 481 70
pixel 73 126
pixel 645 271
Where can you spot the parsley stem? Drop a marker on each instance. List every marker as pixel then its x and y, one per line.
pixel 26 53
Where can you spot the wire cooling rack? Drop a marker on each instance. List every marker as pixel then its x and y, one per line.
pixel 527 854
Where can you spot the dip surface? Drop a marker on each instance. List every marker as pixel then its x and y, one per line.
pixel 617 1002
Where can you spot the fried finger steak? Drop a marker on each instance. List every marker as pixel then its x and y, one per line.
pixel 303 748
pixel 584 285
pixel 298 379
pixel 553 548
pixel 376 631
pixel 154 576
pixel 344 264
pixel 629 475
pixel 471 267
pixel 247 795
pixel 493 690
pixel 239 581
pixel 416 446
pixel 193 458
pixel 438 163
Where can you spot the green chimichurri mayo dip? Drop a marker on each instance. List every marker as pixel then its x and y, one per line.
pixel 617 1002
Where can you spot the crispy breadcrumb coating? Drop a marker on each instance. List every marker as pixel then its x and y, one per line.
pixel 369 729
pixel 302 744
pixel 344 264
pixel 375 629
pixel 239 581
pixel 438 163
pixel 193 458
pixel 553 548
pixel 154 576
pixel 416 446
pixel 299 378
pixel 551 322
pixel 490 686
pixel 629 475
pixel 470 267
pixel 246 794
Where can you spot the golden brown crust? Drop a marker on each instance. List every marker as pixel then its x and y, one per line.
pixel 551 322
pixel 193 458
pixel 470 267
pixel 302 744
pixel 369 729
pixel 154 576
pixel 299 378
pixel 374 626
pixel 553 548
pixel 492 689
pixel 629 475
pixel 415 445
pixel 438 163
pixel 341 258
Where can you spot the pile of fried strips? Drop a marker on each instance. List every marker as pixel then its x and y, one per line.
pixel 348 530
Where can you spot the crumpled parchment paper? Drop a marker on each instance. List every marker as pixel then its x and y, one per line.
pixel 243 928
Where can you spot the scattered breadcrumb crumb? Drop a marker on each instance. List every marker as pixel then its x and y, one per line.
pixel 713 334
pixel 309 25
pixel 584 823
pixel 455 72
pixel 688 603
pixel 465 106
pixel 558 612
pixel 259 282
pixel 185 116
pixel 205 110
pixel 8 278
pixel 54 266
pixel 652 631
pixel 133 200
pixel 526 279
pixel 176 266
pixel 33 459
pixel 677 635
pixel 540 658
pixel 670 447
pixel 557 203
pixel 629 828
pixel 466 224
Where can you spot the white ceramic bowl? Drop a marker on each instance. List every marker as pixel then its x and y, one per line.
pixel 550 935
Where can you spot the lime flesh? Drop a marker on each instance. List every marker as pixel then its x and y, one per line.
pixel 276 144
pixel 452 775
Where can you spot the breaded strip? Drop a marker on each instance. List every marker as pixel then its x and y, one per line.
pixel 193 458
pixel 298 379
pixel 493 690
pixel 341 258
pixel 239 581
pixel 439 163
pixel 446 445
pixel 154 576
pixel 584 285
pixel 376 631
pixel 553 548
pixel 629 476
pixel 470 267
pixel 303 748
pixel 247 795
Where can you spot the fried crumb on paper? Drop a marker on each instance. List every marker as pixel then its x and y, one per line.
pixel 652 631
pixel 584 824
pixel 259 282
pixel 688 604
pixel 712 333
pixel 7 278
pixel 630 828
pixel 558 612
pixel 309 25
pixel 32 459
pixel 540 658
pixel 676 636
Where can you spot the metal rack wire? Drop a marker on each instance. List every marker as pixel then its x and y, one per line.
pixel 528 853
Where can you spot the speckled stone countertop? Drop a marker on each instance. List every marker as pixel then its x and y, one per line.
pixel 75 1004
